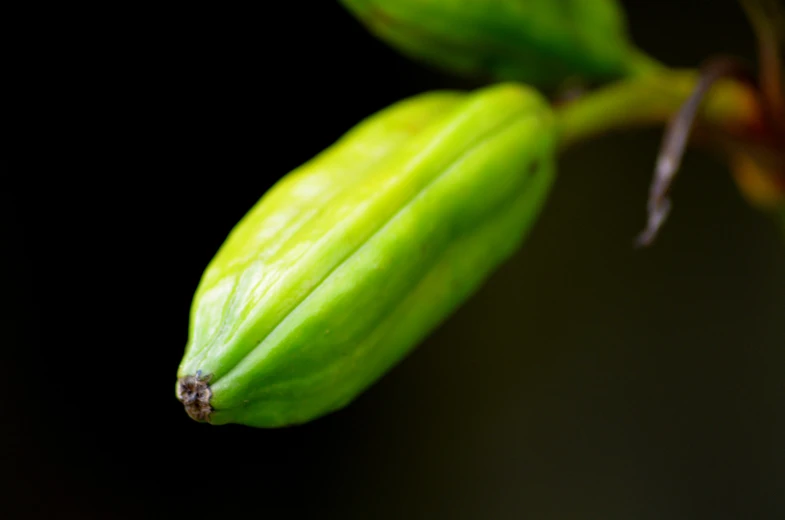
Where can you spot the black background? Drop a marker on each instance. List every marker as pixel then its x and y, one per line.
pixel 585 380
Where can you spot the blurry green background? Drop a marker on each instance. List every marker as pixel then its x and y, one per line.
pixel 586 380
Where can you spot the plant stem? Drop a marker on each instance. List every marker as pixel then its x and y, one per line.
pixel 731 106
pixel 641 64
pixel 732 111
pixel 768 20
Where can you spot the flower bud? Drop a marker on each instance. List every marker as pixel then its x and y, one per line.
pixel 541 42
pixel 353 258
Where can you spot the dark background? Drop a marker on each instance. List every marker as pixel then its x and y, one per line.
pixel 585 380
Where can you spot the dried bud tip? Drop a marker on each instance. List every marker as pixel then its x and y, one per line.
pixel 194 392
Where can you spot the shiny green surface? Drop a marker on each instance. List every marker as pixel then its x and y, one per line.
pixel 541 42
pixel 353 258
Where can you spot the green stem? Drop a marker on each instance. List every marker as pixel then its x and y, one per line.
pixel 641 64
pixel 652 99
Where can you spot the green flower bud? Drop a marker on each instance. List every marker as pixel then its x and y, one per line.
pixel 542 42
pixel 353 258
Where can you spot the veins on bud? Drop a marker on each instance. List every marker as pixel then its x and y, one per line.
pixel 194 392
